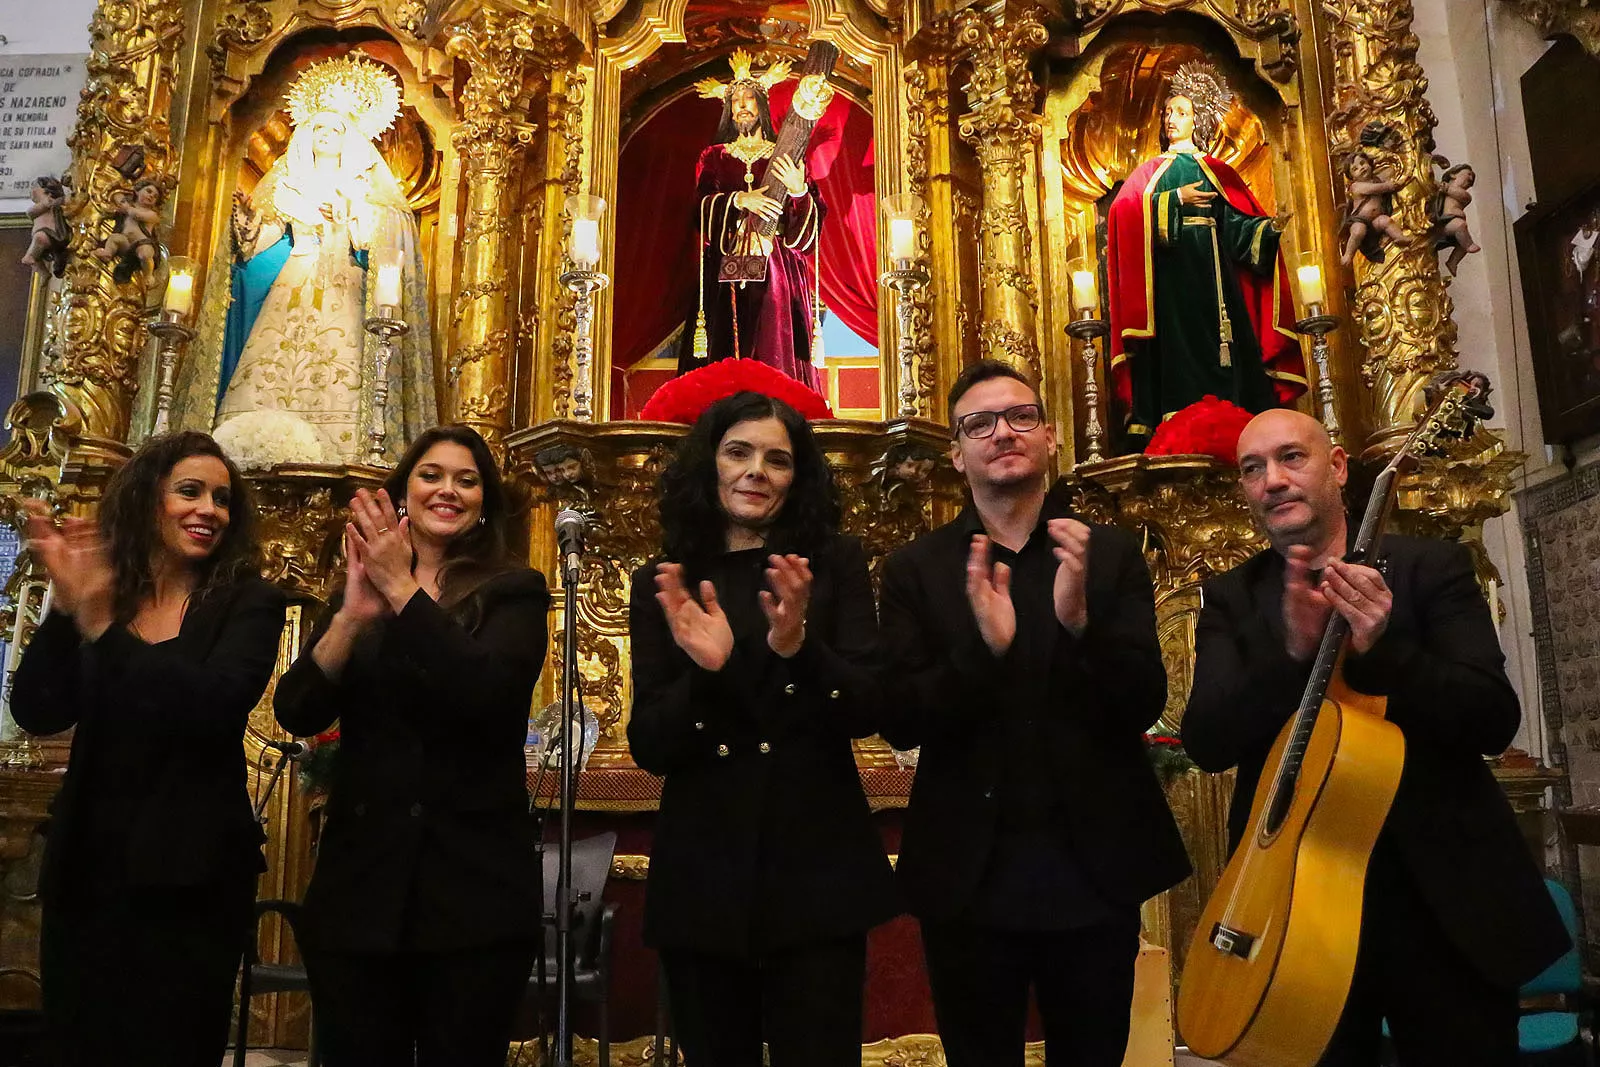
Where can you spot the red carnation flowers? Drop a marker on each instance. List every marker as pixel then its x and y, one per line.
pixel 1208 427
pixel 683 398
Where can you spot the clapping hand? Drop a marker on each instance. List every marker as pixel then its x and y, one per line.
pixel 1305 608
pixel 786 603
pixel 989 593
pixel 362 604
pixel 385 547
pixel 49 546
pixel 79 564
pixel 701 631
pixel 1072 571
pixel 1362 596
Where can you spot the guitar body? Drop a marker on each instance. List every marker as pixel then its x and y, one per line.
pixel 1295 897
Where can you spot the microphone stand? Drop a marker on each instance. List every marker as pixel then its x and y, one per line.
pixel 570 680
pixel 284 759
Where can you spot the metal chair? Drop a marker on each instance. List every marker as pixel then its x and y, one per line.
pixel 258 978
pixel 592 923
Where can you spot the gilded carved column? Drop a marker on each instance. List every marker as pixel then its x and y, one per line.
pixel 1401 306
pixel 491 138
pixel 561 174
pixel 124 109
pixel 1003 129
pixel 936 329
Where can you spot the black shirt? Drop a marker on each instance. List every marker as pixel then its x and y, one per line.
pixel 428 844
pixel 1034 805
pixel 764 839
pixel 1034 879
pixel 155 793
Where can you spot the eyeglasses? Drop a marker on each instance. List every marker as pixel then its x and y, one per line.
pixel 980 424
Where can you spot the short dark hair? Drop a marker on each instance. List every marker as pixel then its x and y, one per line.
pixel 483 551
pixel 694 528
pixel 982 371
pixel 129 525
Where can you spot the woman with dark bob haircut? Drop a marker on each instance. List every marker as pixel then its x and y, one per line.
pixel 423 914
pixel 160 639
pixel 754 642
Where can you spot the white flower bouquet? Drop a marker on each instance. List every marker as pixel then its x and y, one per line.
pixel 260 440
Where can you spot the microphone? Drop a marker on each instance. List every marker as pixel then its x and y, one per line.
pixel 569 537
pixel 292 749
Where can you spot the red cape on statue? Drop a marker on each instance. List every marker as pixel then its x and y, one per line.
pixel 1128 269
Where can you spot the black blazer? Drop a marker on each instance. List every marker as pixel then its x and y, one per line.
pixel 428 843
pixel 764 838
pixel 155 793
pixel 1440 665
pixel 1107 687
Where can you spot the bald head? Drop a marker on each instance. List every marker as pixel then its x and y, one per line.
pixel 1292 475
pixel 1283 424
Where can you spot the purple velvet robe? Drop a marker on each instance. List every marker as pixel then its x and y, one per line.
pixel 774 317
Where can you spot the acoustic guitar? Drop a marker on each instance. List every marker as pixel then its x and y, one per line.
pixel 1269 968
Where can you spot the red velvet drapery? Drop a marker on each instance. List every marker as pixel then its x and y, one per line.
pixel 655 278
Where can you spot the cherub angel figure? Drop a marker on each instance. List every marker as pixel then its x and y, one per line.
pixel 1449 214
pixel 1367 213
pixel 134 241
pixel 47 247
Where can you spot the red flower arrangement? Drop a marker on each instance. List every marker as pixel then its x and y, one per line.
pixel 316 766
pixel 1208 427
pixel 1167 757
pixel 683 398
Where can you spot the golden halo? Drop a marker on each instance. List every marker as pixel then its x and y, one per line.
pixel 360 90
pixel 740 61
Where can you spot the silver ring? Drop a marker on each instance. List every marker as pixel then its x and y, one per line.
pixel 383 529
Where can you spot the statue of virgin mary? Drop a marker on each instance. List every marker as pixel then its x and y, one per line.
pixel 283 371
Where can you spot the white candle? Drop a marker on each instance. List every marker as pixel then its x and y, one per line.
pixel 180 293
pixel 585 243
pixel 1311 291
pixel 387 292
pixel 1084 297
pixel 902 239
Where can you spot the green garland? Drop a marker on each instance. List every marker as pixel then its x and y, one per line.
pixel 1168 758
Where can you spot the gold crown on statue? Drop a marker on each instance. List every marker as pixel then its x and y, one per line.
pixel 740 62
pixel 359 90
pixel 1204 87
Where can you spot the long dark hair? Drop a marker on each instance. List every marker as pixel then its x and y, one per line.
pixel 483 551
pixel 728 130
pixel 694 527
pixel 129 522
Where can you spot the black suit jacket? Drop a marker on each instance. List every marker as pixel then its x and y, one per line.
pixel 428 843
pixel 1440 666
pixel 1106 688
pixel 155 791
pixel 764 839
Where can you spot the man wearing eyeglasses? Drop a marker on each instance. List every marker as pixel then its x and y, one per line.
pixel 1021 644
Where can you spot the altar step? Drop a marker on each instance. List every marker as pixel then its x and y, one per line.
pixel 272 1057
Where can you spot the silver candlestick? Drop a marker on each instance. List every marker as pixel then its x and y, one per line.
pixel 171 337
pixel 583 283
pixel 1318 326
pixel 905 280
pixel 1088 329
pixel 386 325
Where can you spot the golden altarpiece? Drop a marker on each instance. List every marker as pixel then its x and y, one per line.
pixel 1013 122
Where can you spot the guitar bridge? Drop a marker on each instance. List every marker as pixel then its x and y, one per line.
pixel 1233 942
